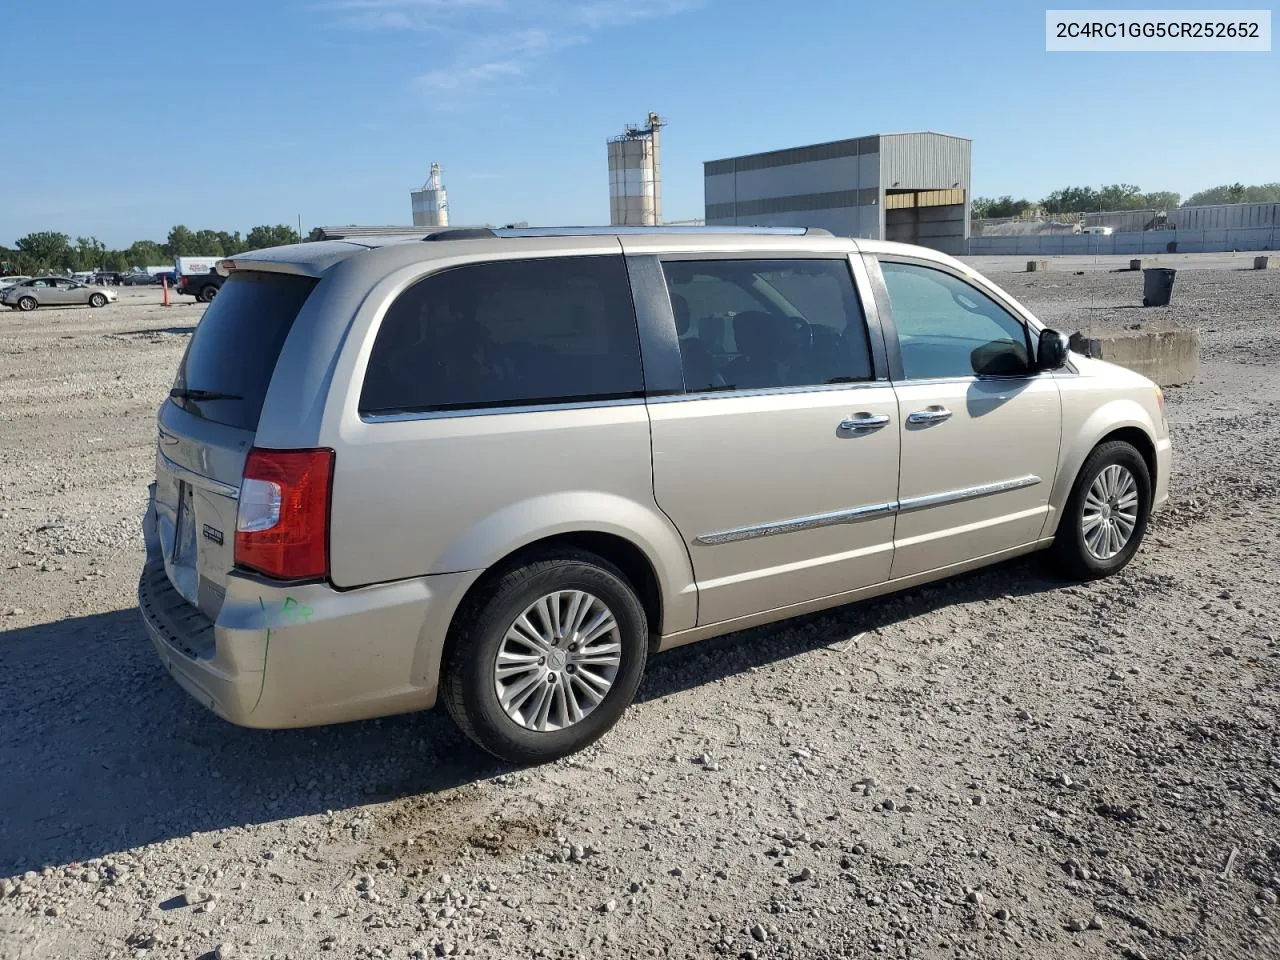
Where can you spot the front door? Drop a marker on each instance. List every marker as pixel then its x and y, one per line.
pixel 779 461
pixel 62 292
pixel 980 428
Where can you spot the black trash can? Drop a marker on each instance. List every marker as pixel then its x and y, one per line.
pixel 1157 286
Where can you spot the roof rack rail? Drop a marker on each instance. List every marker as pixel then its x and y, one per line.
pixel 476 233
pixel 461 233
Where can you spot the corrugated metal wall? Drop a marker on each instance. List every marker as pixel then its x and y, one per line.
pixel 1226 216
pixel 841 186
pixel 1146 241
pixel 923 161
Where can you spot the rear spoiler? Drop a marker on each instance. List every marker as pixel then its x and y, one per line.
pixel 309 259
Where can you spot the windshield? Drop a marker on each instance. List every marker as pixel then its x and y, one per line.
pixel 225 372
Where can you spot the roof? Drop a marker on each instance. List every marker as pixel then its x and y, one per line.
pixel 465 244
pixel 843 140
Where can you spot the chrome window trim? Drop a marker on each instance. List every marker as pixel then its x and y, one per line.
pixel 499 411
pixel 868 512
pixel 199 480
pixel 767 391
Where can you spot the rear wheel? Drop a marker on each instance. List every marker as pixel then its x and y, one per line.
pixel 98 300
pixel 546 660
pixel 208 292
pixel 27 304
pixel 1106 516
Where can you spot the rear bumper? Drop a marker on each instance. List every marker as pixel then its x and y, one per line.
pixel 296 655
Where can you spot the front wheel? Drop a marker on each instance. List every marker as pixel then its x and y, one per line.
pixel 208 293
pixel 98 300
pixel 27 304
pixel 1106 515
pixel 547 659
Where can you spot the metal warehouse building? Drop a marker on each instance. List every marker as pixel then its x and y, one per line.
pixel 912 187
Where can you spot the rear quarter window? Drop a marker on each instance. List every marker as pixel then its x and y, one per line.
pixel 236 345
pixel 508 333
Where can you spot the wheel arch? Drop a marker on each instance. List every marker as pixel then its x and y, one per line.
pixel 1121 419
pixel 636 567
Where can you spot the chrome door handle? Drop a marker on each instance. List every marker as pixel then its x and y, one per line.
pixel 929 415
pixel 865 421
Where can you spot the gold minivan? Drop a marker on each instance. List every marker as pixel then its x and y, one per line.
pixel 499 468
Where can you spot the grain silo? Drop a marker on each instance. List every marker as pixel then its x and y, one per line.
pixel 635 176
pixel 430 204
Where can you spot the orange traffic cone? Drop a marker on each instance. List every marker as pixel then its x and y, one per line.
pixel 164 282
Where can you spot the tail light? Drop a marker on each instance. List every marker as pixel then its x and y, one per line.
pixel 282 521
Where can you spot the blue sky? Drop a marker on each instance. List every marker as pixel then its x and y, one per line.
pixel 234 114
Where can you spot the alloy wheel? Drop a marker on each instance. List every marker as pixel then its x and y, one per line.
pixel 558 660
pixel 1110 512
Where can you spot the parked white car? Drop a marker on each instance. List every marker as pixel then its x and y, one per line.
pixel 55 291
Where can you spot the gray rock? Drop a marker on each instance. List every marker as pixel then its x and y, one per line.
pixel 224 951
pixel 758 933
pixel 1095 922
pixel 609 906
pixel 1076 926
pixel 1001 914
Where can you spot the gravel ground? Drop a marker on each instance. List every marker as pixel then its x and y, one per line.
pixel 1003 765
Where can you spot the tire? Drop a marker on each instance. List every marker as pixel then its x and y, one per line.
pixel 98 300
pixel 27 304
pixel 207 293
pixel 1075 551
pixel 484 631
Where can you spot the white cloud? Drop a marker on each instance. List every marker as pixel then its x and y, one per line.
pixel 493 46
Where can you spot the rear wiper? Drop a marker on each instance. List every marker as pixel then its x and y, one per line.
pixel 186 393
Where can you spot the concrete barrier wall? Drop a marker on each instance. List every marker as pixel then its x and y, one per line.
pixel 1168 356
pixel 1137 242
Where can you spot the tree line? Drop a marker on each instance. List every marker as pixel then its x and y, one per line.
pixel 47 251
pixel 1119 196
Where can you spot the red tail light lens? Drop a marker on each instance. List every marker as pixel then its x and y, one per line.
pixel 282 520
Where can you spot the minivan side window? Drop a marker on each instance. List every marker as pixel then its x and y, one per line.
pixel 949 328
pixel 756 324
pixel 507 334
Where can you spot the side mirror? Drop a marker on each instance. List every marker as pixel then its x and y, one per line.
pixel 1051 353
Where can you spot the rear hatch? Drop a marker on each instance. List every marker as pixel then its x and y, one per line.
pixel 208 424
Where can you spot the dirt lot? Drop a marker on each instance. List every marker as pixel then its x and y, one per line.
pixel 1000 766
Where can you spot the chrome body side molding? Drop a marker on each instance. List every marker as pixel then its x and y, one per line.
pixel 867 512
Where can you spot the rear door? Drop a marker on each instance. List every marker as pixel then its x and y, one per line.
pixel 778 461
pixel 208 424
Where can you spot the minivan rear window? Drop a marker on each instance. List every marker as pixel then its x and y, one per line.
pixel 234 349
pixel 509 333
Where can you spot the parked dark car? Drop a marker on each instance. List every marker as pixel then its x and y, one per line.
pixel 203 286
pixel 136 279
